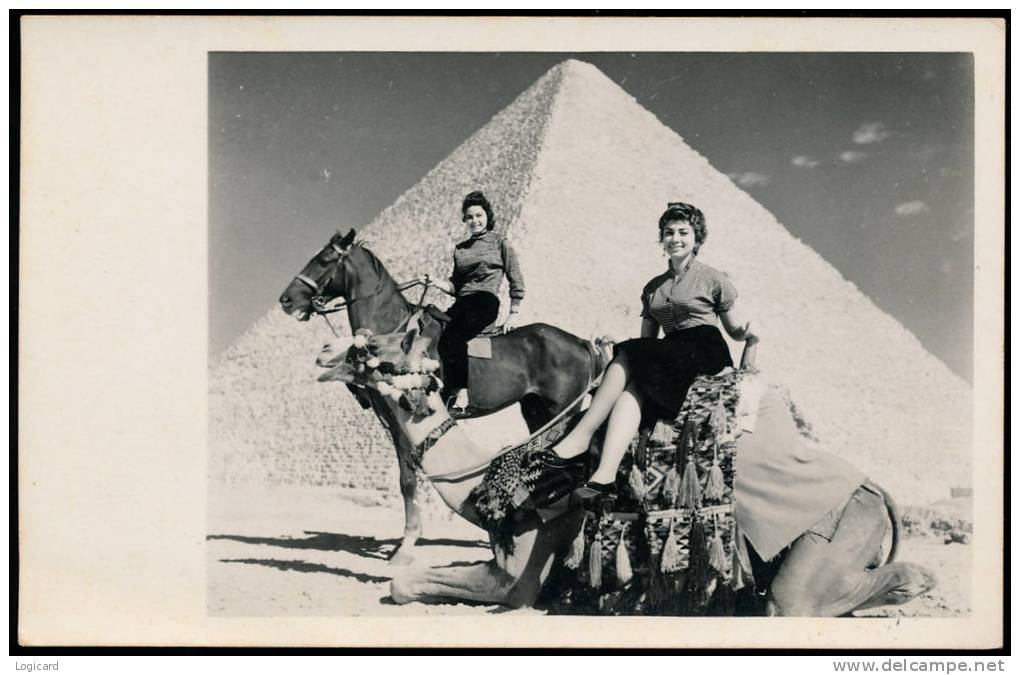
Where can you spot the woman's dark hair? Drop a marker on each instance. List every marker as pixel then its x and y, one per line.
pixel 681 212
pixel 476 198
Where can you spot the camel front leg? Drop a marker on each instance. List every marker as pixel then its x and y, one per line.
pixel 512 579
pixel 483 582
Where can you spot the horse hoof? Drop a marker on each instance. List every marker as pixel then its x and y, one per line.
pixel 402 558
pixel 400 590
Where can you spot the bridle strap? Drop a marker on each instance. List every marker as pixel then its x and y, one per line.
pixel 335 306
pixel 308 282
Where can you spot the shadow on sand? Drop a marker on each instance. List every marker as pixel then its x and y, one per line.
pixel 365 547
pixel 300 566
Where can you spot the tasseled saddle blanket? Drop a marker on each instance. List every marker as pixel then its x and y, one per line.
pixel 512 476
pixel 712 404
pixel 676 513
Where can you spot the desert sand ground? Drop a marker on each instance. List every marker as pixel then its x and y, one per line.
pixel 315 551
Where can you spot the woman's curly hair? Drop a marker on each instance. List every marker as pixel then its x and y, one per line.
pixel 681 212
pixel 476 198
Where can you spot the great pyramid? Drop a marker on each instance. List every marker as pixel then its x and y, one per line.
pixel 578 173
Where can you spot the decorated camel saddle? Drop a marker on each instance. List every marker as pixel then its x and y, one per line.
pixel 671 537
pixel 674 538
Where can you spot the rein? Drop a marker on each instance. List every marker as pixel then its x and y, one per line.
pixel 534 439
pixel 339 304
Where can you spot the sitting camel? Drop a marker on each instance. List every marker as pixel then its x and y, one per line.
pixel 830 569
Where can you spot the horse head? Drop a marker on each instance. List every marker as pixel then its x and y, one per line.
pixel 326 276
pixel 393 364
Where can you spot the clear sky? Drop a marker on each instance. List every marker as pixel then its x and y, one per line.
pixel 867 158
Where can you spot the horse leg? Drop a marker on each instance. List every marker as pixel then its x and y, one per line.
pixel 409 491
pixel 535 412
pixel 821 577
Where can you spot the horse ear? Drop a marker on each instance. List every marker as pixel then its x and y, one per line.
pixel 347 239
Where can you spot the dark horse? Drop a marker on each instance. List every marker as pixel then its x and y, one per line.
pixel 542 367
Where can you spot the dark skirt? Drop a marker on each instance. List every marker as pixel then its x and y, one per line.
pixel 663 370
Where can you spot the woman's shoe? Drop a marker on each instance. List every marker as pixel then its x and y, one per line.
pixel 459 404
pixel 591 491
pixel 553 461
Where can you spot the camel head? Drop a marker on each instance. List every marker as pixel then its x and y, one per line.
pixel 394 365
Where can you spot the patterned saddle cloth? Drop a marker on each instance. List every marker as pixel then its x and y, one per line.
pixel 709 422
pixel 672 527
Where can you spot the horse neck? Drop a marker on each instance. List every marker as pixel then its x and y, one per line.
pixel 380 306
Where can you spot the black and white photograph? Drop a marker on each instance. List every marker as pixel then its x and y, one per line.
pixel 480 328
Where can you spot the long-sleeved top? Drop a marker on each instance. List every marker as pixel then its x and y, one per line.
pixel 479 264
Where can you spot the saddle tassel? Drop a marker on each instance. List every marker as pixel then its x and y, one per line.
pixel 717 419
pixel 624 572
pixel 685 441
pixel 670 560
pixel 690 486
pixel 637 483
pixel 715 486
pixel 698 570
pixel 698 565
pixel 671 486
pixel 576 553
pixel 595 559
pixel 717 553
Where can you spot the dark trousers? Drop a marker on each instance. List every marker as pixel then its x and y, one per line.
pixel 469 315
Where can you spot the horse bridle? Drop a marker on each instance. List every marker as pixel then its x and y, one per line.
pixel 320 306
pixel 327 276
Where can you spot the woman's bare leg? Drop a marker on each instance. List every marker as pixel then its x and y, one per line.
pixel 623 424
pixel 614 380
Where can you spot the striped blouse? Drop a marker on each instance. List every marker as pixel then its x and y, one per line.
pixel 695 299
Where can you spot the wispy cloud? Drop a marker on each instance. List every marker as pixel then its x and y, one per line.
pixel 913 208
pixel 749 178
pixel 873 132
pixel 804 162
pixel 961 233
pixel 851 156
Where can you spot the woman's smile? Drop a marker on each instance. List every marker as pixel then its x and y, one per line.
pixel 476 220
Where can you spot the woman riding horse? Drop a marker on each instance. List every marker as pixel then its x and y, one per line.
pixel 479 264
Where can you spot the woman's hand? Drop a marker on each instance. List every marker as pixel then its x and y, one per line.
pixel 441 284
pixel 737 325
pixel 512 322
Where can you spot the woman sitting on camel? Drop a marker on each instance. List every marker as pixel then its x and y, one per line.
pixel 479 264
pixel 649 377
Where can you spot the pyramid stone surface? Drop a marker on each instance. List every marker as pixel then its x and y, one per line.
pixel 578 173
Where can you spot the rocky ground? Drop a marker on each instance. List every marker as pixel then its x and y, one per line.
pixel 291 551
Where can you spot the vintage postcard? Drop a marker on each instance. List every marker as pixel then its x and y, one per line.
pixel 512 332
